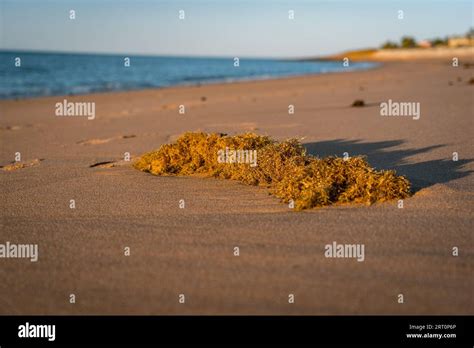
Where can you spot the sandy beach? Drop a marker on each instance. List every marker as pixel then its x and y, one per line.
pixel 190 251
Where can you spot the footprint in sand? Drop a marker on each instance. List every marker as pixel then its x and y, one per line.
pixel 10 128
pixel 173 106
pixel 105 140
pixel 19 165
pixel 169 106
pixel 242 126
pixel 111 164
pixel 15 128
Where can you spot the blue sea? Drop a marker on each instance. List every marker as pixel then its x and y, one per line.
pixel 45 74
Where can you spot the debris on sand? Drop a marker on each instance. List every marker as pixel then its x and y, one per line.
pixel 358 103
pixel 22 164
pixel 283 167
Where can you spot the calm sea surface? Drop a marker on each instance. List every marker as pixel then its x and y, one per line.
pixel 43 74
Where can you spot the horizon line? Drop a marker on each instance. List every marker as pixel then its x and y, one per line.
pixel 165 55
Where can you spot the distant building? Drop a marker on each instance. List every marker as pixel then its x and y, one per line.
pixel 424 44
pixel 460 42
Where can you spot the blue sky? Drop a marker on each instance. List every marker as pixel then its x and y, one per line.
pixel 243 28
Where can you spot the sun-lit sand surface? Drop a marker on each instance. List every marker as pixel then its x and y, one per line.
pixel 190 251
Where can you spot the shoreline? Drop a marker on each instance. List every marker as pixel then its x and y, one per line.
pixel 376 57
pixel 202 83
pixel 372 56
pixel 401 54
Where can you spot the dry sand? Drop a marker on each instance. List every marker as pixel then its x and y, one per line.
pixel 405 54
pixel 190 251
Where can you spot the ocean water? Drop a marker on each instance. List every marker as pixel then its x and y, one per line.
pixel 44 74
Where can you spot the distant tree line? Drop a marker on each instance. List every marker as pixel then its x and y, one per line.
pixel 410 42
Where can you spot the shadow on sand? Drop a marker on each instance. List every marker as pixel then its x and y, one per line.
pixel 379 155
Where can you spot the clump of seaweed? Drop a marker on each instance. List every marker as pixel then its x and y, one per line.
pixel 283 167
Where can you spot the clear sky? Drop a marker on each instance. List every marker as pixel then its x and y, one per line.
pixel 243 28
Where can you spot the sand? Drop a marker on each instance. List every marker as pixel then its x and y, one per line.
pixel 190 251
pixel 405 54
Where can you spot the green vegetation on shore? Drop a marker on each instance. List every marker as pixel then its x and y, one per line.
pixel 283 167
pixel 410 42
